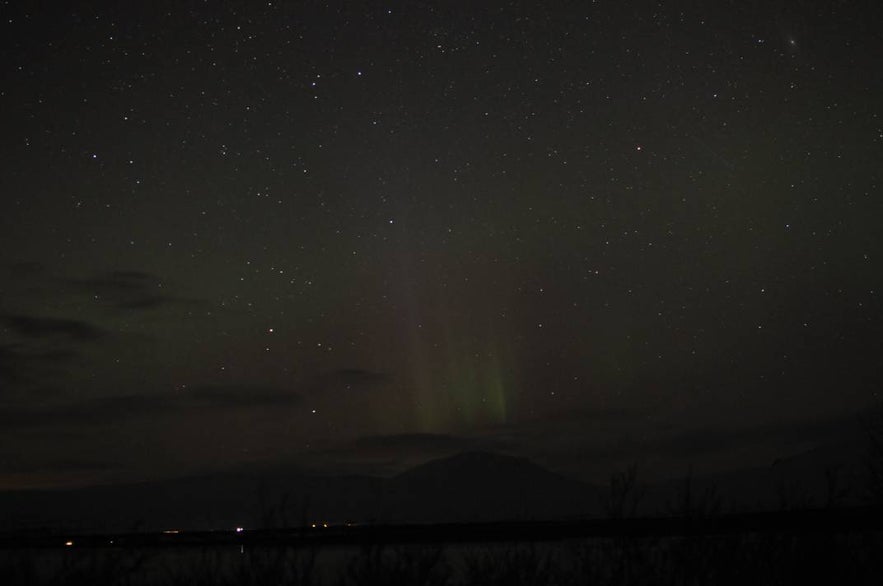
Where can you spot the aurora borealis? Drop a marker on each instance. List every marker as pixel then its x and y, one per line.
pixel 355 236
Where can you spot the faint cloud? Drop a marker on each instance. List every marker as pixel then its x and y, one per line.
pixel 42 327
pixel 345 379
pixel 129 289
pixel 413 441
pixel 19 365
pixel 361 377
pixel 11 370
pixel 16 464
pixel 243 395
pixel 123 407
pixel 23 269
pixel 390 454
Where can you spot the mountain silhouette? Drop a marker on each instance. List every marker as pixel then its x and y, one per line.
pixel 469 487
pixel 481 486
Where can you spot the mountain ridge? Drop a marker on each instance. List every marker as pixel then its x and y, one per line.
pixel 470 486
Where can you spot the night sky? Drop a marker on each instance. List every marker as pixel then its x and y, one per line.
pixel 351 237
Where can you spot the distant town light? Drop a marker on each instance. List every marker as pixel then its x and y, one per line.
pixel 239 530
pixel 69 543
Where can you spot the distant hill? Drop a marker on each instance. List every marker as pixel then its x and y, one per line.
pixel 467 487
pixel 478 486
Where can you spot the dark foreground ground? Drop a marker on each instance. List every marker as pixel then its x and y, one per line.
pixel 836 547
